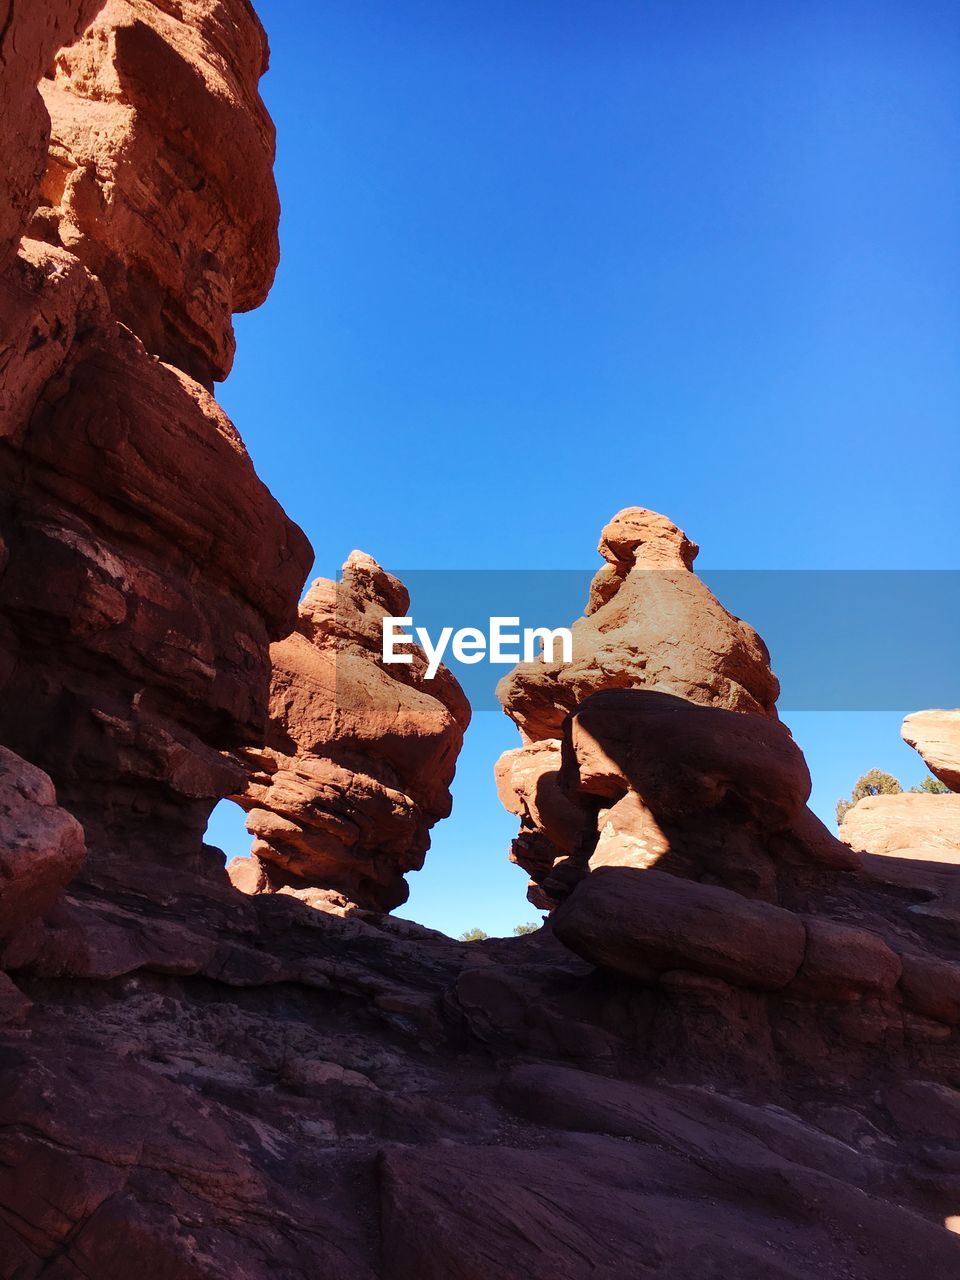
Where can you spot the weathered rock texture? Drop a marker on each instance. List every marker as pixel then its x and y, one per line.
pixel 155 114
pixel 144 568
pixel 28 41
pixel 750 1070
pixel 651 624
pixel 359 756
pixel 936 736
pixel 41 846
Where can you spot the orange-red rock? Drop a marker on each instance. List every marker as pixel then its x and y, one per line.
pixel 650 623
pixel 155 112
pixel 936 736
pixel 907 825
pixel 28 41
pixel 144 567
pixel 359 755
pixel 652 626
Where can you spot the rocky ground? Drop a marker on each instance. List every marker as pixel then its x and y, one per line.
pixel 733 1050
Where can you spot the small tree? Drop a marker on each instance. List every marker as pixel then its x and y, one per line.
pixel 530 927
pixel 873 783
pixel 932 787
pixel 473 935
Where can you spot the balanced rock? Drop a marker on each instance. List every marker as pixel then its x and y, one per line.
pixel 360 755
pixel 653 628
pixel 936 736
pixel 650 623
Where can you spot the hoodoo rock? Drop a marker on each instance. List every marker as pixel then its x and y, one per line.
pixel 651 625
pixel 359 755
pixel 936 736
pixel 153 208
pixel 732 1052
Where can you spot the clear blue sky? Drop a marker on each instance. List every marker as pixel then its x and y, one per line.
pixel 542 260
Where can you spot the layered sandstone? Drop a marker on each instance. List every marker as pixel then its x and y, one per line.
pixel 28 42
pixel 359 755
pixel 41 846
pixel 144 568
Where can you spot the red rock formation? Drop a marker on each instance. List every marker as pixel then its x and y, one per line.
pixel 651 624
pixel 196 1084
pixel 908 825
pixel 41 846
pixel 144 567
pixel 155 112
pixel 936 736
pixel 359 756
pixel 28 42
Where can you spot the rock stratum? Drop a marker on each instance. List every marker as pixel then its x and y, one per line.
pixel 733 1051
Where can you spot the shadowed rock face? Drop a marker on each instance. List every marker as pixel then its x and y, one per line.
pixel 748 1070
pixel 360 755
pixel 144 568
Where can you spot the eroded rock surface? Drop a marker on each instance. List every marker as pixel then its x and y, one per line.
pixel 144 568
pixel 936 736
pixel 360 755
pixel 652 625
pixel 155 113
pixel 756 1078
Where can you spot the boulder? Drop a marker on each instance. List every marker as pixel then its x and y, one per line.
pixel 641 923
pixel 41 846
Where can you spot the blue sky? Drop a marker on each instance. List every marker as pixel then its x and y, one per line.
pixel 545 260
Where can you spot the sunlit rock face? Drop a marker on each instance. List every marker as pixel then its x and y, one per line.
pixel 159 176
pixel 360 755
pixel 935 735
pixel 28 41
pixel 650 624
